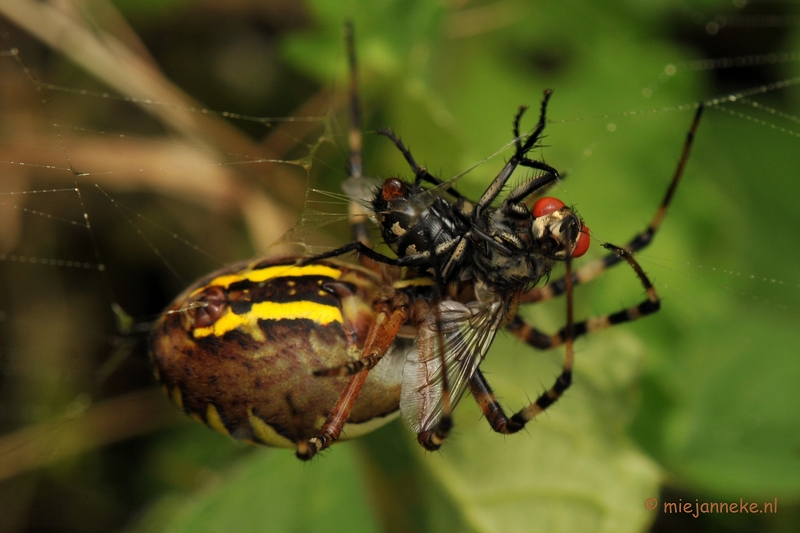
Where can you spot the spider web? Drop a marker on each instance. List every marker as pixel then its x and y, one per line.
pixel 112 199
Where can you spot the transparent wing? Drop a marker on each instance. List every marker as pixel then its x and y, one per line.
pixel 467 332
pixel 361 189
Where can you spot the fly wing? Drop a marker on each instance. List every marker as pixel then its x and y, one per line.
pixel 458 335
pixel 362 189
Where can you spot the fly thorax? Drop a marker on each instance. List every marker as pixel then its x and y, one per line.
pixel 392 210
pixel 504 258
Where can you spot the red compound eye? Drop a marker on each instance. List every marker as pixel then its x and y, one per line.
pixel 583 242
pixel 393 189
pixel 546 205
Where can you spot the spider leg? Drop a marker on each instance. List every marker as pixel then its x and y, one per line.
pixel 483 394
pixel 433 439
pixel 390 314
pixel 355 246
pixel 411 261
pixel 520 328
pixel 492 410
pixel 357 213
pixel 354 138
pixel 367 362
pixel 488 403
pixel 640 241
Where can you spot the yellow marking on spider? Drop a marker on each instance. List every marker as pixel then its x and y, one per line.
pixel 215 420
pixel 319 313
pixel 598 323
pixel 264 274
pixel 176 396
pixel 266 433
pixel 352 430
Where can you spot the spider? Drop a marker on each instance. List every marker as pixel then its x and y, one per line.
pixel 243 349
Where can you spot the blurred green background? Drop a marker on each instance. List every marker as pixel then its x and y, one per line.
pixel 698 403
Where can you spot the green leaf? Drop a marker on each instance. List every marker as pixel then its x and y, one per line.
pixel 272 491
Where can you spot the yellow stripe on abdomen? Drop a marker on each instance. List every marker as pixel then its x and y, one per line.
pixel 277 271
pixel 319 313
